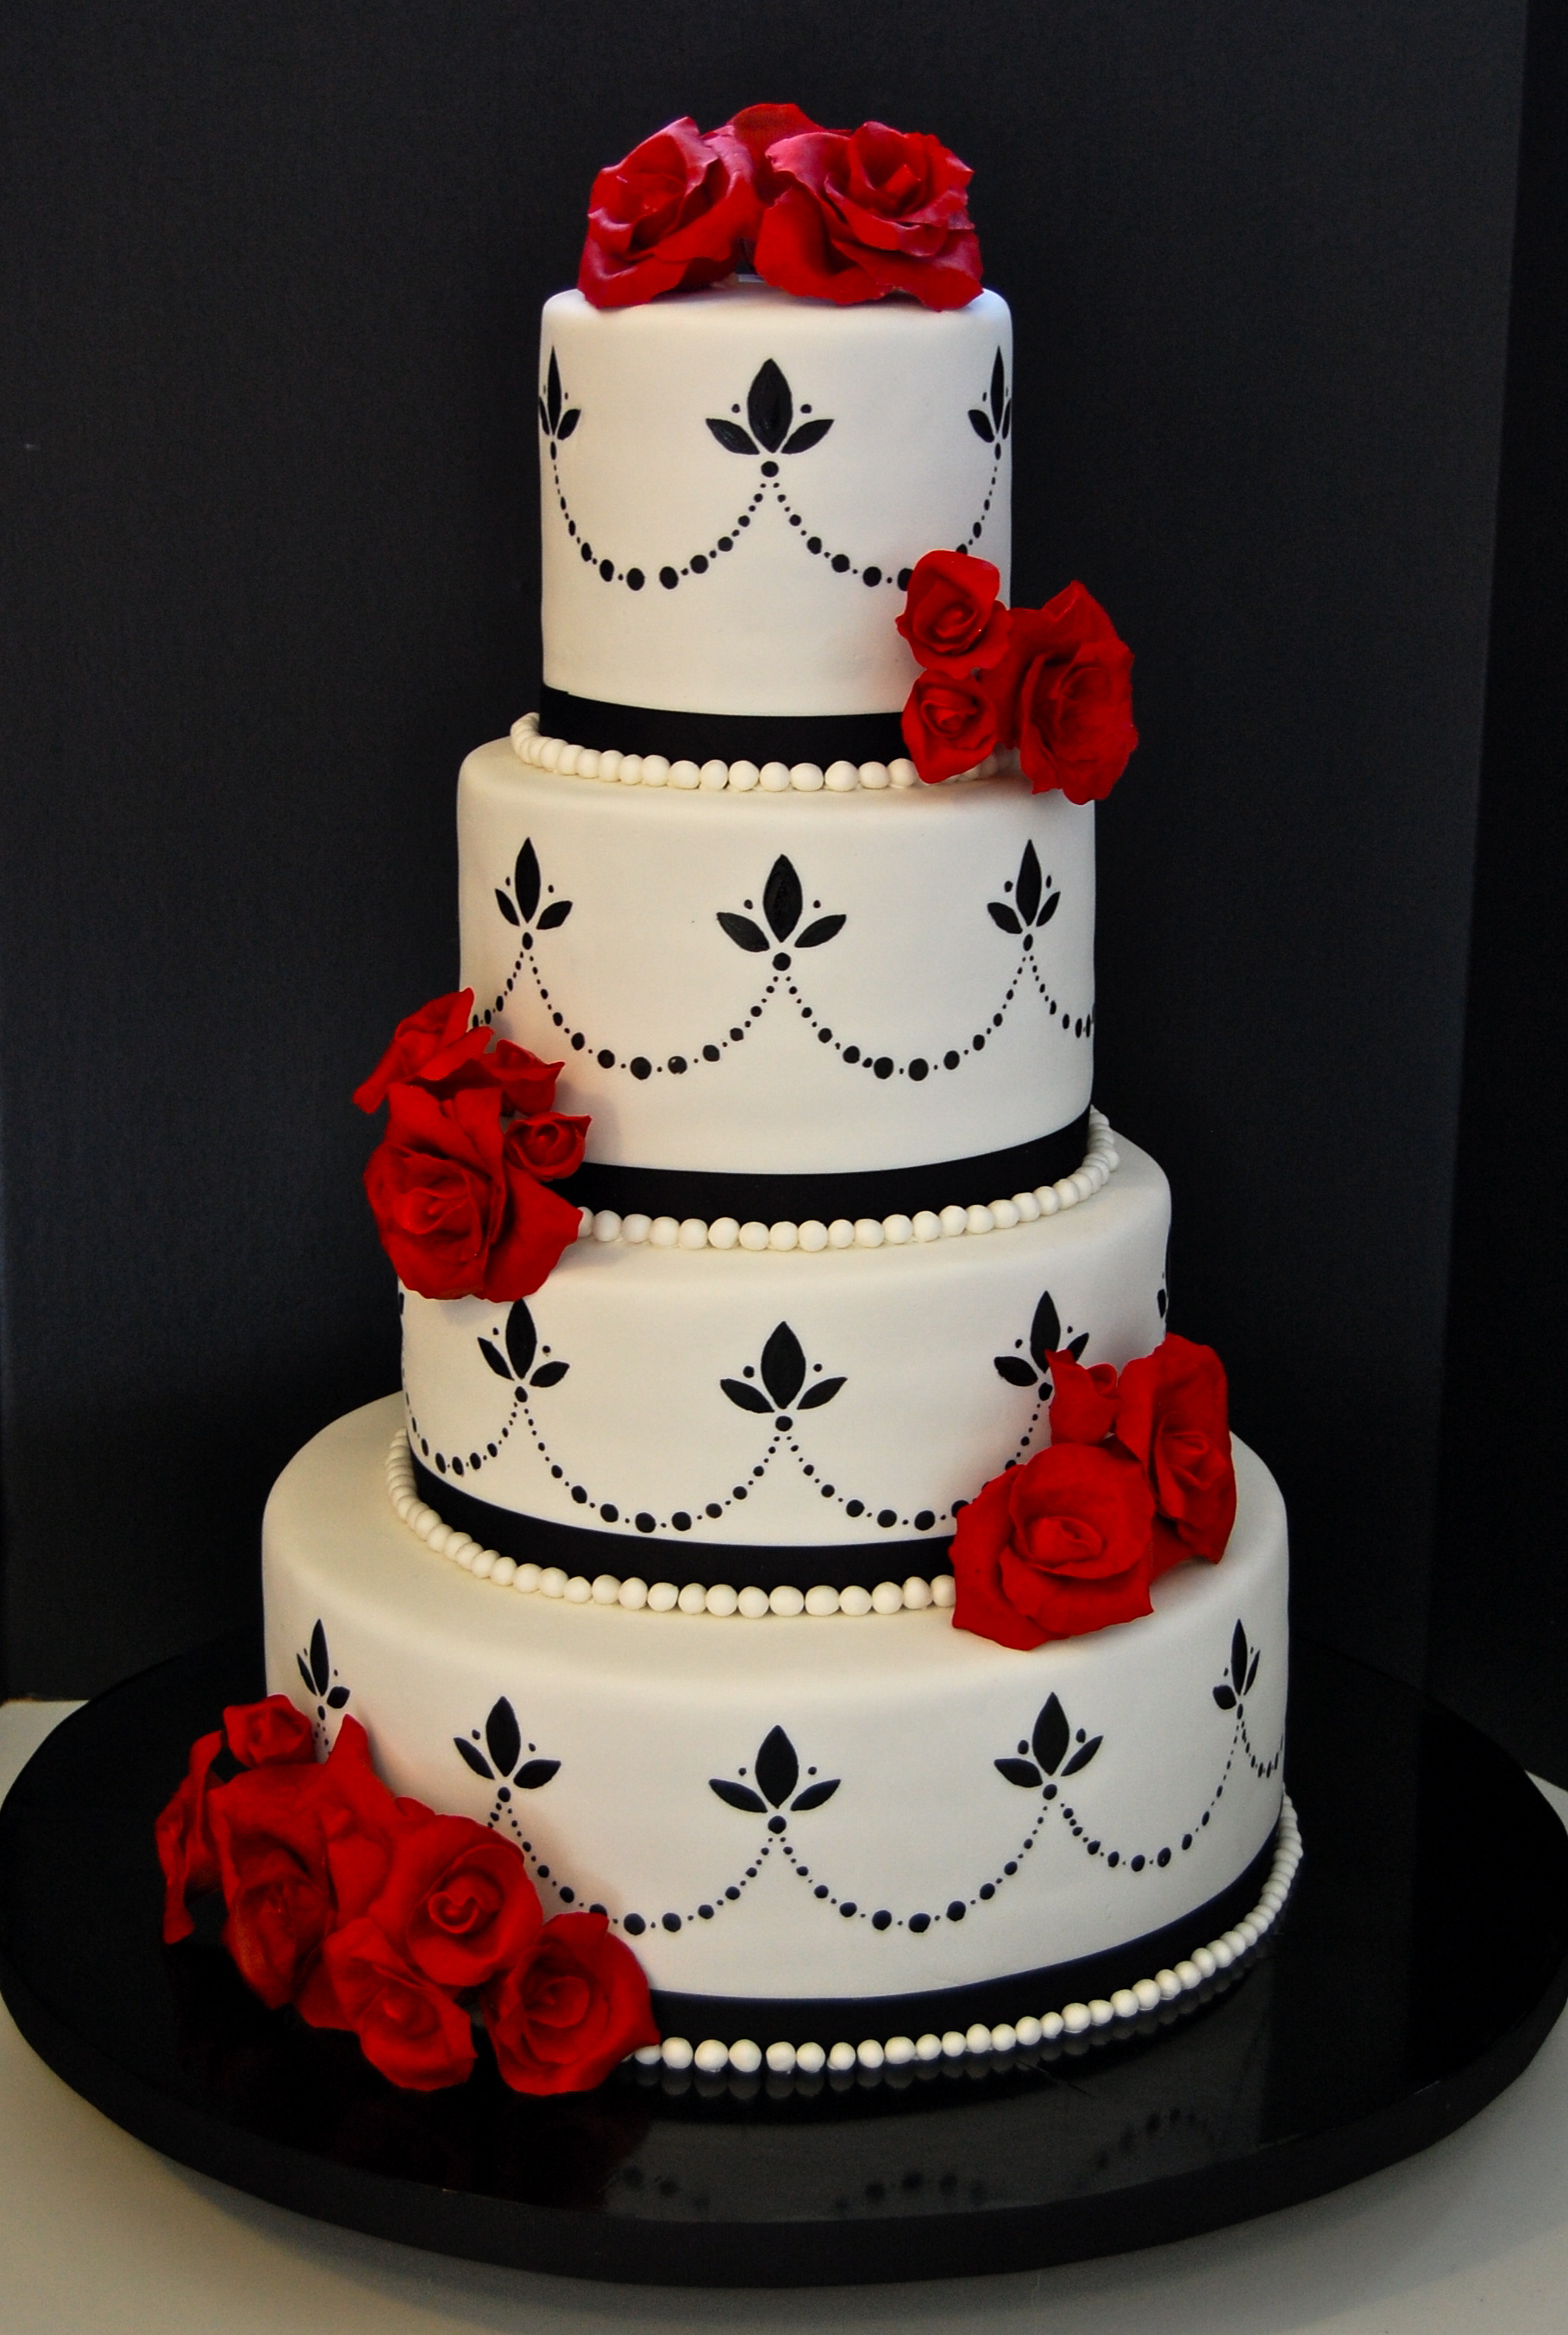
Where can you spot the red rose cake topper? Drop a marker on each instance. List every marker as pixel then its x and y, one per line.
pixel 1055 681
pixel 457 1183
pixel 376 1916
pixel 1137 1477
pixel 845 215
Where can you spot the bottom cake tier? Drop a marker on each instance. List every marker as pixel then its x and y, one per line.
pixel 783 1814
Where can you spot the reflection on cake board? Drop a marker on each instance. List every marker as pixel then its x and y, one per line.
pixel 1367 2028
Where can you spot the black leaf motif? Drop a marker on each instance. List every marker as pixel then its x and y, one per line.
pixel 1239 1651
pixel 522 1338
pixel 475 1759
pixel 1029 885
pixel 743 932
pixel 320 1666
pixel 1045 1330
pixel 732 436
pixel 569 422
pixel 1252 1673
pixel 744 1397
pixel 1224 1698
pixel 1014 1370
pixel 503 1736
pixel 822 930
pixel 783 1366
pixel 1022 1772
pixel 809 434
pixel 553 394
pixel 544 417
pixel 1001 914
pixel 998 390
pixel 815 1795
pixel 309 1682
pixel 496 1360
pixel 738 1795
pixel 1083 1755
pixel 1075 1346
pixel 526 881
pixel 1051 1735
pixel 1007 419
pixel 505 906
pixel 337 1698
pixel 549 1374
pixel 1049 910
pixel 556 913
pixel 777 1771
pixel 815 1396
pixel 782 899
pixel 535 1772
pixel 980 425
pixel 769 407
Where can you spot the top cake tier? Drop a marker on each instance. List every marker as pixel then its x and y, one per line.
pixel 735 485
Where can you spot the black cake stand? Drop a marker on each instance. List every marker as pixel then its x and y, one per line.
pixel 1421 1962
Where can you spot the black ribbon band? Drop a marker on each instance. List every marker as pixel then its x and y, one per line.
pixel 831 2019
pixel 702 738
pixel 585 1549
pixel 796 1199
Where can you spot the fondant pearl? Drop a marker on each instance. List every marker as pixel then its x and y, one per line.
pixel 649 2055
pixel 663 1233
pixel 504 1572
pixel 552 1581
pixel 525 727
pixel 855 1601
pixel 1167 1985
pixel 870 2054
pixel 774 778
pixel 723 1233
pixel 810 2058
pixel 944 1590
pixel 1045 1193
pixel 655 769
pixel 887 1597
pixel 405 1503
pixel 1004 2037
pixel 567 761
pixel 743 777
pixel 715 776
pixel 606 1589
pixel 781 2059
pixel 721 1600
pixel 813 1236
pixel 1028 1208
pixel 579 1590
pixel 664 1597
pixel 1224 1954
pixel 1124 2003
pixel 786 1601
pixel 745 2056
pixel 953 1221
pixel 841 2057
pixel 483 1563
pixel 753 1604
pixel 897 1231
pixel 607 1225
pixel 1148 1994
pixel 551 750
pixel 806 777
pixel 586 1224
pixel 978 2037
pixel 1248 1932
pixel 631 769
pixel 867 1233
pixel 927 1225
pixel 1003 1215
pixel 632 1594
pixel 1065 1190
pixel 783 1235
pixel 927 2048
pixel 1205 1958
pixel 685 774
pixel 636 1228
pixel 979 1220
pixel 754 1235
pixel 437 1539
pixel 903 772
pixel 676 2052
pixel 610 761
pixel 1051 2025
pixel 955 2043
pixel 1100 2011
pixel 822 1599
pixel 693 1232
pixel 916 1593
pixel 693 1598
pixel 843 778
pixel 840 1233
pixel 1029 2032
pixel 898 2050
pixel 1190 1976
pixel 712 2057
pixel 874 774
pixel 528 1579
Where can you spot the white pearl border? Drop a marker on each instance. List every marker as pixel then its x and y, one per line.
pixel 1128 2002
pixel 843 778
pixel 1100 1161
pixel 636 1596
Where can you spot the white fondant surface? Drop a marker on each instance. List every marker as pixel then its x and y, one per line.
pixel 907 1717
pixel 641 482
pixel 639 1419
pixel 641 969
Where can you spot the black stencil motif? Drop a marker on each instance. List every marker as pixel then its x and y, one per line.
pixel 770 409
pixel 1027 910
pixel 521 1343
pixel 1051 1743
pixel 997 424
pixel 503 1739
pixel 554 423
pixel 783 904
pixel 1044 1339
pixel 777 1771
pixel 1231 1691
pixel 523 907
pixel 316 1668
pixel 782 1370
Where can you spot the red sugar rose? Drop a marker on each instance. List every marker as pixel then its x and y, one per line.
pixel 407 2025
pixel 268 1734
pixel 948 725
pixel 1055 1548
pixel 436 1049
pixel 757 127
pixel 1065 691
pixel 456 1209
pixel 456 1902
pixel 561 2021
pixel 951 617
pixel 549 1145
pixel 676 214
pixel 859 215
pixel 1171 1416
pixel 1083 1403
pixel 184 1839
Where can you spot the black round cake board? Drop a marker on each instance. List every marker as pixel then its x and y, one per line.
pixel 1421 1963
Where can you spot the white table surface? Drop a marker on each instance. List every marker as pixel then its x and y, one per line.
pixel 99 2235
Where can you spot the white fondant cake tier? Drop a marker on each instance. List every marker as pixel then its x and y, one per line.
pixel 755 568
pixel 834 1808
pixel 786 984
pixel 768 1402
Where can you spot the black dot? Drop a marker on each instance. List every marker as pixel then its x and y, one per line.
pixel 919 1922
pixel 886 1517
pixel 491 1450
pixel 544 1873
pixel 781 964
pixel 814 543
pixel 713 1509
pixel 1010 1868
pixel 986 1892
pixel 635 579
pixel 579 1495
pixel 996 1021
pixel 882 1066
pixel 904 576
pixel 1115 1856
pixel 955 1911
pixel 643 1521
pixel 855 1508
pixel 783 1422
pixel 669 579
pixel 681 1520
pixel 671 1921
pixel 852 1053
pixel 640 1067
pixel 925 1520
pixel 456 1467
pixel 610 1512
pixel 1138 1863
pixel 605 1059
pixel 633 1925
pixel 950 1060
pixel 871 576
pixel 847 1910
pixel 770 470
pixel 919 1069
pixel 840 564
pixel 1186 1840
pixel 775 1824
pixel 1164 1857
pixel 607 570
pixel 578 1041
pixel 699 563
pixel 677 1063
pixel 710 1053
pixel 587 555
pixel 794 519
pixel 571 526
pixel 440 1463
pixel 726 543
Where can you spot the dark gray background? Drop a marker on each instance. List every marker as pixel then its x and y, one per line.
pixel 272 276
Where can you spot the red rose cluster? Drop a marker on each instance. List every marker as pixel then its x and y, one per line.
pixel 1138 1476
pixel 1054 681
pixel 458 1182
pixel 827 214
pixel 375 1914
